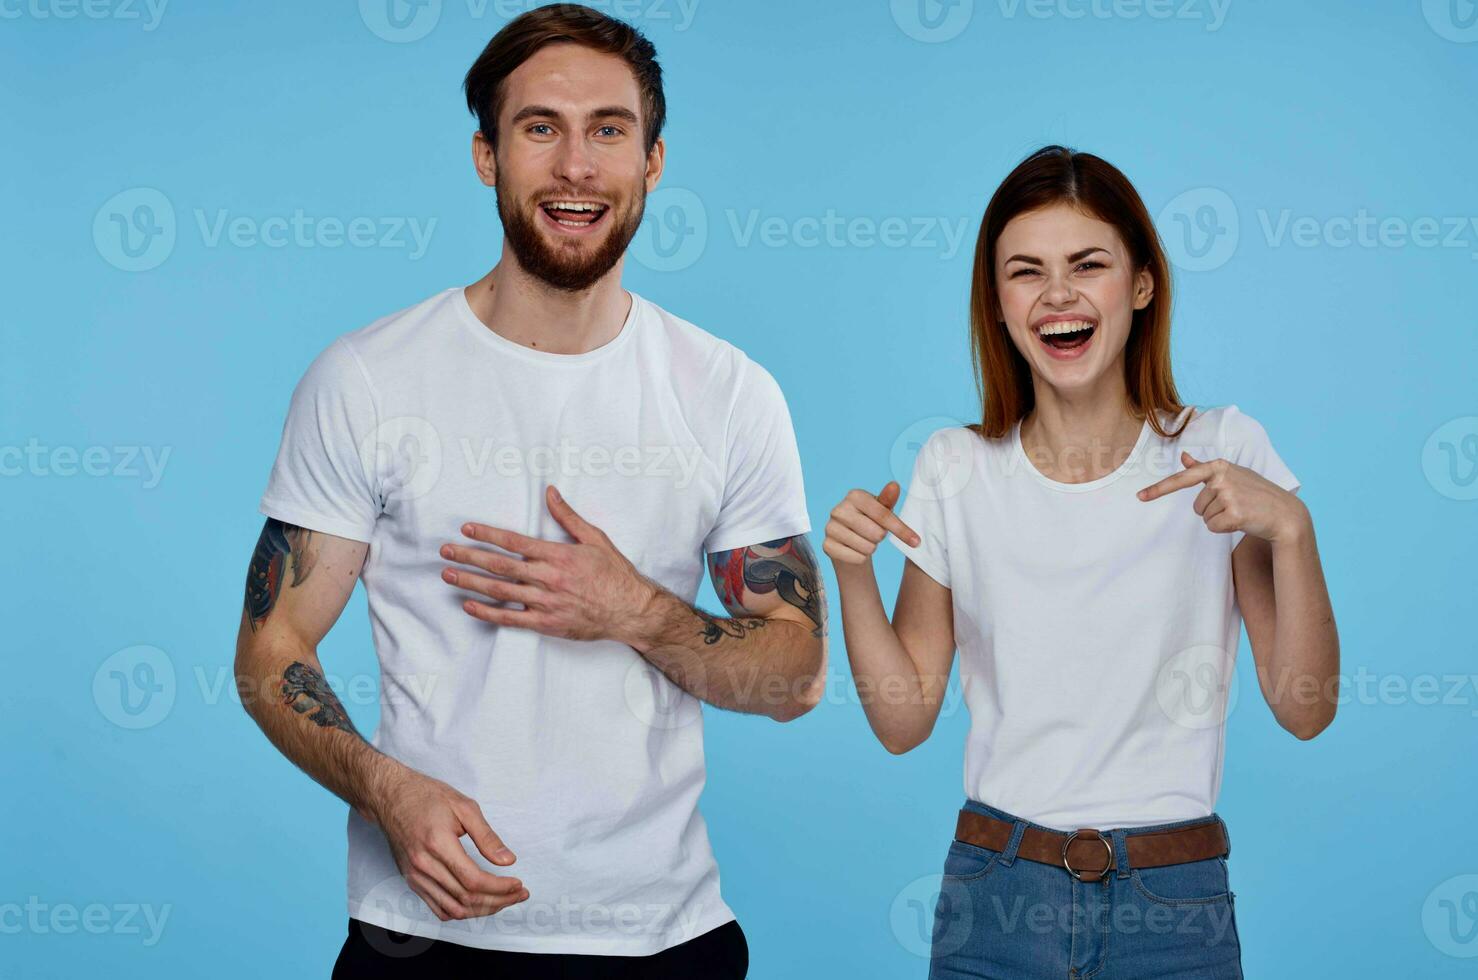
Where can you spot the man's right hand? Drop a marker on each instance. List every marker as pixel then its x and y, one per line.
pixel 424 820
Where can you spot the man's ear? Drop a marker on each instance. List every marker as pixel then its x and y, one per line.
pixel 1144 288
pixel 484 161
pixel 656 160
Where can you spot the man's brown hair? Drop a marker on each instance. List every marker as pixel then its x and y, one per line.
pixel 560 23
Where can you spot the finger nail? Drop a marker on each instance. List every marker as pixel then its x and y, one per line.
pixel 503 854
pixel 446 551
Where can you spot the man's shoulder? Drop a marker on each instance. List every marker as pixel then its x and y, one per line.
pixel 394 334
pixel 695 351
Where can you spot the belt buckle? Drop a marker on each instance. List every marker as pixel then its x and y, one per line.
pixel 1107 845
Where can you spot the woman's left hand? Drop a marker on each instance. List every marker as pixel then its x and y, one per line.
pixel 1235 498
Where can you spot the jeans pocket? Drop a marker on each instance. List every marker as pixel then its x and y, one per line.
pixel 1191 883
pixel 967 862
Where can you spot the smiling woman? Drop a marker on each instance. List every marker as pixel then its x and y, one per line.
pixel 1096 618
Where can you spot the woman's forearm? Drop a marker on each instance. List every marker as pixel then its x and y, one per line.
pixel 1305 661
pixel 901 705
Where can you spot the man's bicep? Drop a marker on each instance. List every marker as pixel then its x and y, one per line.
pixel 777 579
pixel 299 580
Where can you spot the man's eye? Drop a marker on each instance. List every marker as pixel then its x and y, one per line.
pixel 608 131
pixel 541 129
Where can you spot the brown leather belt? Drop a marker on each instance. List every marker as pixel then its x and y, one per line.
pixel 1088 854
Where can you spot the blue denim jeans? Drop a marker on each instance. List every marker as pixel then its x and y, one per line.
pixel 1004 917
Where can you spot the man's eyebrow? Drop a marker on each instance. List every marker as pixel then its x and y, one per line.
pixel 615 112
pixel 604 112
pixel 534 111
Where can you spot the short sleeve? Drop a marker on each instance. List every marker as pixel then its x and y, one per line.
pixel 1246 443
pixel 320 479
pixel 764 494
pixel 935 477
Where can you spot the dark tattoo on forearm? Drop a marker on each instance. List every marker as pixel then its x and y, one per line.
pixel 306 692
pixel 785 566
pixel 715 629
pixel 282 549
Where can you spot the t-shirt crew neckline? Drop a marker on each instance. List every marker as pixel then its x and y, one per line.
pixel 499 342
pixel 1019 452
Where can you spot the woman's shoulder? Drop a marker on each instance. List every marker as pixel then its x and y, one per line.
pixel 1215 429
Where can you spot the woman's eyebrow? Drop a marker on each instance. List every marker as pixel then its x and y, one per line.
pixel 1080 254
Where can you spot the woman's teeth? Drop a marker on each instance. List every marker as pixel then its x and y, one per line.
pixel 1066 334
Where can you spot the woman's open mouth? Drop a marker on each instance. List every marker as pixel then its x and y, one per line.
pixel 574 217
pixel 1066 339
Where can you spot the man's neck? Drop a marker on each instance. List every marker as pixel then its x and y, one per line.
pixel 519 308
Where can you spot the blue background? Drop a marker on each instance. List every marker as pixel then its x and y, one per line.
pixel 1352 356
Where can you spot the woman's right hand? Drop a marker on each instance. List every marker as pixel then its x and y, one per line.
pixel 862 520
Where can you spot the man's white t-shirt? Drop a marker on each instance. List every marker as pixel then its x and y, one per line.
pixel 1097 632
pixel 586 760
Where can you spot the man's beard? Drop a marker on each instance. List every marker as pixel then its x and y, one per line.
pixel 567 268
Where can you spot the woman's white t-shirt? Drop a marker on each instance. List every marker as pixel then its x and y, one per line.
pixel 1097 632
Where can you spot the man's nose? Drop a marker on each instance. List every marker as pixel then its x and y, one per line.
pixel 574 162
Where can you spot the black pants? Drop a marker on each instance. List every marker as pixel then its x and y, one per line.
pixel 373 952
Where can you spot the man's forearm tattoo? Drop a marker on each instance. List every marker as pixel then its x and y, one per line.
pixel 785 566
pixel 716 629
pixel 282 551
pixel 306 692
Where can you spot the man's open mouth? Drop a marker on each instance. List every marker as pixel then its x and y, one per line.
pixel 1066 334
pixel 575 215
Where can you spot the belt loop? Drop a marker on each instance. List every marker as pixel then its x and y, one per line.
pixel 1226 834
pixel 1014 844
pixel 1121 851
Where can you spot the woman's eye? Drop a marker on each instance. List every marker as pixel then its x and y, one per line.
pixel 1023 272
pixel 1090 265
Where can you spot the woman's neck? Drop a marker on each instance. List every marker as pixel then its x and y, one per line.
pixel 1080 437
